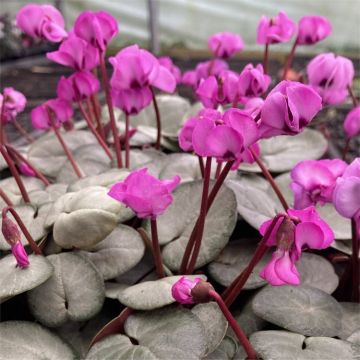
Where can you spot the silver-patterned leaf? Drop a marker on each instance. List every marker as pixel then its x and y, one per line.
pixel 350 319
pixel 225 351
pixel 31 341
pixel 14 280
pixel 74 292
pixel 301 309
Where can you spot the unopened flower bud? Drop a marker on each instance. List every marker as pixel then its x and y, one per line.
pixel 20 255
pixel 10 231
pixel 200 292
pixel 181 290
pixel 285 235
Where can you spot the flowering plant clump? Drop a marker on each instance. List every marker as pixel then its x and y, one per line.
pixel 159 212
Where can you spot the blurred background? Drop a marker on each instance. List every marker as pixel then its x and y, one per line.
pixel 169 25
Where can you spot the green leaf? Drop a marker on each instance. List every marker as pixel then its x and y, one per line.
pixel 74 292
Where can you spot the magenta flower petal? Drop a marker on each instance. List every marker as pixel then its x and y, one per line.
pixel 207 92
pixel 164 80
pixel 132 101
pixel 352 123
pixel 20 255
pixel 269 274
pixel 286 270
pixel 26 170
pixel 199 137
pixel 272 238
pixel 313 29
pixel 186 133
pixel 309 235
pixel 346 196
pixel 253 82
pixel 225 44
pixel 168 63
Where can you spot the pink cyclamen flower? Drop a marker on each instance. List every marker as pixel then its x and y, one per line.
pixel 77 87
pixel 76 53
pixel 352 123
pixel 135 68
pixel 253 107
pixel 313 181
pixel 146 195
pixel 346 195
pixel 203 70
pixel 61 111
pixel 97 28
pixel 26 170
pixel 313 29
pixel 275 30
pixel 253 82
pixel 225 44
pixel 168 63
pixel 41 21
pixel 20 255
pixel 181 290
pixel 222 89
pixel 302 229
pixel 330 76
pixel 288 108
pixel 12 102
pixel 225 138
pixel 131 101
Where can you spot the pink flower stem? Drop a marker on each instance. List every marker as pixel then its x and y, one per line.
pixel 201 165
pixel 96 109
pixel 23 228
pixel 244 341
pixel 266 59
pixel 353 97
pixel 64 146
pixel 200 224
pixel 211 199
pixel 114 130
pixel 127 142
pixel 289 60
pixel 23 132
pixel 355 263
pixel 14 153
pixel 234 289
pixel 5 198
pixel 156 249
pixel 158 119
pixel 270 179
pixel 93 130
pixel 218 169
pixel 15 174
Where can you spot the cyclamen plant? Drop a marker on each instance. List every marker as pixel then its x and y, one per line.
pixel 182 207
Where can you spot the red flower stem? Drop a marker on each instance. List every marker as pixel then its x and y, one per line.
pixel 269 178
pixel 201 165
pixel 127 142
pixel 156 249
pixel 211 199
pixel 244 341
pixel 64 146
pixel 15 174
pixel 289 60
pixel 346 148
pixel 96 109
pixel 266 59
pixel 200 224
pixel 114 130
pixel 2 129
pixel 218 169
pixel 234 289
pixel 90 111
pixel 355 263
pixel 353 97
pixel 158 119
pixel 23 228
pixel 12 151
pixel 5 198
pixel 23 132
pixel 93 130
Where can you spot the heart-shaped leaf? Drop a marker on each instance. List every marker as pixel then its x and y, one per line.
pixel 74 292
pixel 301 309
pixel 233 260
pixel 31 341
pixel 176 224
pixel 14 280
pixel 282 153
pixel 47 154
pixel 214 322
pixel 287 345
pixel 117 253
pixel 150 295
pixel 33 221
pixel 350 320
pixel 50 194
pixel 169 333
pixel 116 347
pixel 226 350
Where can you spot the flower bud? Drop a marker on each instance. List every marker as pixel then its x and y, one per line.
pixel 10 231
pixel 20 255
pixel 285 235
pixel 200 292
